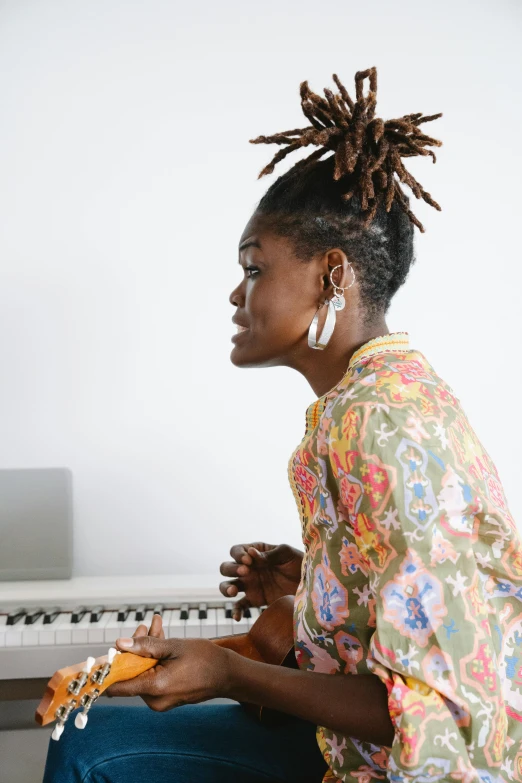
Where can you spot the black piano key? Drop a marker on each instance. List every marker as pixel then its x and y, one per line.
pixel 158 609
pixel 123 613
pixel 14 616
pixel 141 610
pixel 33 615
pixel 51 615
pixel 247 613
pixel 77 614
pixel 202 612
pixel 228 610
pixel 96 613
pixel 184 613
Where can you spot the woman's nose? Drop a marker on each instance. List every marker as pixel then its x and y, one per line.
pixel 235 297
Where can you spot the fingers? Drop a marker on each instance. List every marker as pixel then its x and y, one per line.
pixel 150 683
pixel 233 569
pixel 232 587
pixel 246 553
pixel 147 646
pixel 141 630
pixel 156 627
pixel 239 608
pixel 131 687
pixel 240 555
pixel 277 555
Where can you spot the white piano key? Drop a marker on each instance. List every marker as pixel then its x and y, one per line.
pixel 241 626
pixel 167 614
pixel 176 629
pixel 224 624
pixel 147 619
pixel 63 631
pixel 209 626
pixel 47 635
pixel 6 631
pixel 31 633
pixel 3 626
pixel 80 633
pixel 112 629
pixel 193 625
pixel 96 631
pixel 13 636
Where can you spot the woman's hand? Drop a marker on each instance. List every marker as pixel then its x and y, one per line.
pixel 264 572
pixel 194 670
pixel 188 670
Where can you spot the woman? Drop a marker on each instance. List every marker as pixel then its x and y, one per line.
pixel 410 585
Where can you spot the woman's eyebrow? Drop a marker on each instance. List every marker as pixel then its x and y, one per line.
pixel 249 243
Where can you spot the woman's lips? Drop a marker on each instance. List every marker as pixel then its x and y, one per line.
pixel 240 330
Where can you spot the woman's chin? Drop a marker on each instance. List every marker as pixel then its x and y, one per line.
pixel 240 358
pixel 250 352
pixel 242 354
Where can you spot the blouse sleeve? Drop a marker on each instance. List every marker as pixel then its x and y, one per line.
pixel 412 517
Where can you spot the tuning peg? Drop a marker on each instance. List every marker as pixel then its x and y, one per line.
pixel 76 685
pixel 99 675
pixel 81 720
pixel 57 731
pixel 89 663
pixel 86 702
pixel 62 713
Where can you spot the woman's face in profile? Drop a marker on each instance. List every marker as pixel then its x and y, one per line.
pixel 275 300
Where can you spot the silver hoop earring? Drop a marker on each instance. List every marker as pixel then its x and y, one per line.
pixel 338 299
pixel 328 328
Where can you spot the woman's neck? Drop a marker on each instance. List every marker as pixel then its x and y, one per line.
pixel 324 369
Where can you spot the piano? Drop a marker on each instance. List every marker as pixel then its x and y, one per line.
pixel 47 625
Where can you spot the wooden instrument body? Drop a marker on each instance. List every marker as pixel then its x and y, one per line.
pixel 270 640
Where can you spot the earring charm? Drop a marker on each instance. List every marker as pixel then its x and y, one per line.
pixel 338 299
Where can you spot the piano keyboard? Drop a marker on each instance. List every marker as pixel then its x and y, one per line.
pixel 37 638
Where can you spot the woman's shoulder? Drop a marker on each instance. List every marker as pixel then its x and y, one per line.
pixel 396 385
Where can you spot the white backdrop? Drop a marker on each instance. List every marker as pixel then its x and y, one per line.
pixel 126 179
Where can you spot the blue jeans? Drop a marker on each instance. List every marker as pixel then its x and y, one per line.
pixel 207 743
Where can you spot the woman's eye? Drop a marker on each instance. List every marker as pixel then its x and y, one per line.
pixel 251 271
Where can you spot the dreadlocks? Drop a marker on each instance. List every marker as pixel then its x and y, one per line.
pixel 352 199
pixel 365 146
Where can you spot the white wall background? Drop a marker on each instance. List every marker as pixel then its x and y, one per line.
pixel 126 179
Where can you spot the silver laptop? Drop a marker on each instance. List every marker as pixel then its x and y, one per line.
pixel 35 524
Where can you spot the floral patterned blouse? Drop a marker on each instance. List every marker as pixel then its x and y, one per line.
pixel 412 571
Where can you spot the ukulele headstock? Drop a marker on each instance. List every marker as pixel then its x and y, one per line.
pixel 82 684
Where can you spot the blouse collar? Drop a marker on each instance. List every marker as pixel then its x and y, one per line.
pixel 396 342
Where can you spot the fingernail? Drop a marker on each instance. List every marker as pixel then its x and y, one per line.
pixel 125 642
pixel 230 590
